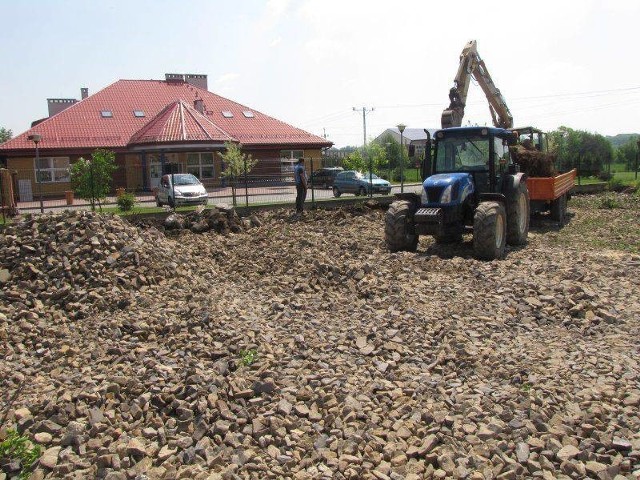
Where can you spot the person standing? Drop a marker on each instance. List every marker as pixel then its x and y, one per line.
pixel 300 176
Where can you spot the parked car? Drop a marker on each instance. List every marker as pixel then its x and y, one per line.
pixel 187 188
pixel 324 177
pixel 358 183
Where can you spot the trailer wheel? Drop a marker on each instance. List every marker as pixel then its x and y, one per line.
pixel 559 209
pixel 518 213
pixel 398 233
pixel 489 231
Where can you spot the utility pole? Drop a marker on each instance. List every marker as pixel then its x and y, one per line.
pixel 364 111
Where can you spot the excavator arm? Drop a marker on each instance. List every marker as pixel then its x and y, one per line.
pixel 471 65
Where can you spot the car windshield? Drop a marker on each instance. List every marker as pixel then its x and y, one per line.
pixel 185 179
pixel 462 154
pixel 366 175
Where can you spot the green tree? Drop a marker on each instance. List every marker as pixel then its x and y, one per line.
pixel 91 179
pixel 591 152
pixel 626 153
pixel 355 161
pixel 5 134
pixel 236 162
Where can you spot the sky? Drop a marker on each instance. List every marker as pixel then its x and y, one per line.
pixel 311 62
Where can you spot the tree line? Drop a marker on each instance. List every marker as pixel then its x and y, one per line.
pixel 591 153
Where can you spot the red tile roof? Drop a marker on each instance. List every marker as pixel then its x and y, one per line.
pixel 179 122
pixel 81 126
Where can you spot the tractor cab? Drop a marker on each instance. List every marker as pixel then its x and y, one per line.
pixel 480 154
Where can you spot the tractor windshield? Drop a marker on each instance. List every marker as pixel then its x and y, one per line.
pixel 462 154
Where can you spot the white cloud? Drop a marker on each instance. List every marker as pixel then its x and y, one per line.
pixel 275 42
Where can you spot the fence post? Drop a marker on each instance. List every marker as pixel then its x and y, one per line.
pixel 232 179
pixel 579 171
pixel 173 191
pixel 4 219
pixel 246 183
pixel 91 181
pixel 313 196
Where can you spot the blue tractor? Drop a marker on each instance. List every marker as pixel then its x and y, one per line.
pixel 470 185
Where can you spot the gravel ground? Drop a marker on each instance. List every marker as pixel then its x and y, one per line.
pixel 303 349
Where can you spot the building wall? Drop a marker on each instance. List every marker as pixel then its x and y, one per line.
pixel 24 169
pixel 129 173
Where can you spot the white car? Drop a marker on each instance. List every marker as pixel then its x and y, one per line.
pixel 186 190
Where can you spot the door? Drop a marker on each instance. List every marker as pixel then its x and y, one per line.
pixel 155 172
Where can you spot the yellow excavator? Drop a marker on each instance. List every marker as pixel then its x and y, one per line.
pixel 472 66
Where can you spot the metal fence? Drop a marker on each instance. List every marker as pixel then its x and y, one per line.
pixel 268 182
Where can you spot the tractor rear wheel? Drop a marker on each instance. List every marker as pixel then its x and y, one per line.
pixel 489 231
pixel 518 213
pixel 398 231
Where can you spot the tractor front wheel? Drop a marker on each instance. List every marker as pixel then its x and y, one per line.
pixel 398 228
pixel 489 231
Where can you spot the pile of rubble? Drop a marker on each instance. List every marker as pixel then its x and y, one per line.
pixel 303 349
pixel 75 263
pixel 220 218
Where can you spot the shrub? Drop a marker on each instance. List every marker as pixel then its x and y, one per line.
pixel 91 179
pixel 126 201
pixel 615 185
pixel 605 176
pixel 608 202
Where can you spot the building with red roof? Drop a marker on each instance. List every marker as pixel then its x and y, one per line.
pixel 154 127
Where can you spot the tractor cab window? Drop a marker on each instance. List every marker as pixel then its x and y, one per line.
pixel 500 154
pixel 462 154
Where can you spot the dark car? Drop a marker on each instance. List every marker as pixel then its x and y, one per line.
pixel 324 177
pixel 359 183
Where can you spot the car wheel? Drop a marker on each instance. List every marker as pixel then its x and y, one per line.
pixel 362 191
pixel 172 204
pixel 336 192
pixel 158 202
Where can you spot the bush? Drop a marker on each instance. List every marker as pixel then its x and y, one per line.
pixel 126 201
pixel 615 185
pixel 608 202
pixel 91 179
pixel 605 176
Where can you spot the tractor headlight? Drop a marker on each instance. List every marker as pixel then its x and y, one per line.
pixel 446 195
pixel 423 198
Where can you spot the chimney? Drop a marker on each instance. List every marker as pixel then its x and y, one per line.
pixel 57 105
pixel 84 93
pixel 198 104
pixel 197 80
pixel 174 78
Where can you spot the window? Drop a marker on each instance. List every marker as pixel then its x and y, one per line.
pixel 227 114
pixel 106 113
pixel 200 165
pixel 138 113
pixel 248 113
pixel 52 170
pixel 462 154
pixel 288 159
